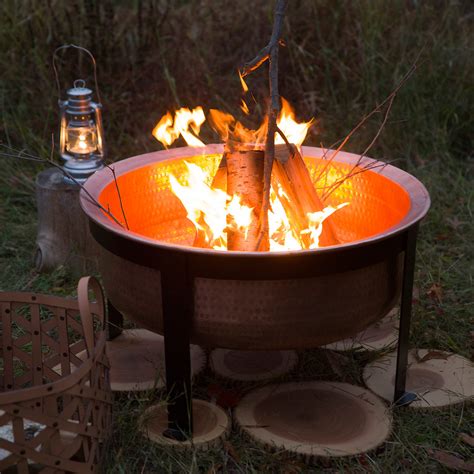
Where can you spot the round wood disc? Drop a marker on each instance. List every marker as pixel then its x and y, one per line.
pixel 210 424
pixel 381 335
pixel 252 365
pixel 137 360
pixel 438 378
pixel 315 418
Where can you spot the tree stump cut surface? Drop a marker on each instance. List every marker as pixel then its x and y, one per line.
pixel 314 419
pixel 381 335
pixel 438 378
pixel 248 366
pixel 210 422
pixel 137 360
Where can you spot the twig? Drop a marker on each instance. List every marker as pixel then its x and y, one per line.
pixel 291 147
pixel 119 195
pixel 388 100
pixel 371 144
pixel 28 157
pixel 269 52
pixel 257 61
pixel 354 172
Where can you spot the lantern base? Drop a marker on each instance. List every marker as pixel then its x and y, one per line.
pixel 78 170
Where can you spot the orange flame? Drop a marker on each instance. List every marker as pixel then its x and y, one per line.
pixel 245 87
pixel 168 130
pixel 227 126
pixel 244 107
pixel 295 132
pixel 214 212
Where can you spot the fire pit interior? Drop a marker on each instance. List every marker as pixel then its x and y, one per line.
pixel 254 300
pixel 375 202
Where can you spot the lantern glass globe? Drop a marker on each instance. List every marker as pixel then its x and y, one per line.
pixel 81 140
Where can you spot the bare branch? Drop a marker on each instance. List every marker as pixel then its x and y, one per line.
pixel 119 195
pixel 256 62
pixel 388 100
pixel 21 155
pixel 269 52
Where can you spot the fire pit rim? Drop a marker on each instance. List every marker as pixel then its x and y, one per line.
pixel 418 194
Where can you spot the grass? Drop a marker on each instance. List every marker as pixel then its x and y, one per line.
pixel 341 59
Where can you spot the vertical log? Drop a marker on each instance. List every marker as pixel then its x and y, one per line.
pixel 245 171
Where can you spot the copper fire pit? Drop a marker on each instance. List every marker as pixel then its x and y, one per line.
pixel 274 301
pixel 254 300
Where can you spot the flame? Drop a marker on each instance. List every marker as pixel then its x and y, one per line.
pixel 168 130
pixel 245 87
pixel 208 209
pixel 295 132
pixel 213 212
pixel 244 107
pixel 229 128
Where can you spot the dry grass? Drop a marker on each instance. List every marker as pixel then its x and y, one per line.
pixel 342 58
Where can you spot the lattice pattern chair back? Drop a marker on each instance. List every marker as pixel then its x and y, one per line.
pixel 55 398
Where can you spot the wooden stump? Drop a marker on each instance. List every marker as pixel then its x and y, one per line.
pixel 63 230
pixel 211 425
pixel 137 360
pixel 315 419
pixel 438 378
pixel 250 366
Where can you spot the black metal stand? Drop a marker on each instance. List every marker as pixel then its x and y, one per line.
pixel 401 396
pixel 178 270
pixel 114 321
pixel 177 304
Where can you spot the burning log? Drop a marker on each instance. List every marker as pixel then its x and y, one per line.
pixel 293 176
pixel 245 170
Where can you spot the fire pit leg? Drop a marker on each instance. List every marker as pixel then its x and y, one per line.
pixel 114 321
pixel 401 396
pixel 177 303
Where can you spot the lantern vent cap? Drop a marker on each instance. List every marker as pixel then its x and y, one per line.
pixel 79 90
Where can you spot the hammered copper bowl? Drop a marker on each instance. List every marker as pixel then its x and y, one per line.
pixel 255 300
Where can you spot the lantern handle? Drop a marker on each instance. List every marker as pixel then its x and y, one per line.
pixel 92 58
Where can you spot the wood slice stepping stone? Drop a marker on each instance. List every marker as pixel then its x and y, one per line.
pixel 137 360
pixel 210 422
pixel 315 419
pixel 381 335
pixel 249 366
pixel 438 378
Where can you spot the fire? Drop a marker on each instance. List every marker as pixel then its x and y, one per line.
pixel 186 121
pixel 295 132
pixel 168 130
pixel 213 212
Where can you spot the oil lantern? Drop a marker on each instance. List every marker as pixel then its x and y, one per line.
pixel 81 134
